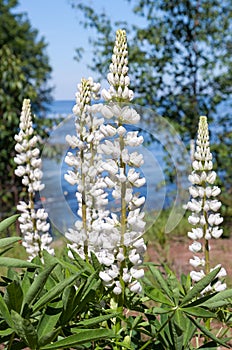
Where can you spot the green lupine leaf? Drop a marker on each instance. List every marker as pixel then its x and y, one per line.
pixel 5 313
pixel 6 332
pixel 180 319
pixel 26 282
pixel 14 296
pixel 49 337
pixel 83 265
pixel 87 293
pixel 160 310
pixel 137 321
pixel 217 304
pixel 161 281
pixel 157 295
pixel 49 259
pixel 92 283
pixel 206 332
pixel 199 286
pixel 37 285
pixel 4 242
pixel 25 330
pixel 189 331
pixel 82 305
pixel 83 336
pixel 12 262
pixel 68 298
pixel 176 335
pixel 95 261
pixel 198 312
pixel 220 298
pixel 7 222
pixel 122 345
pixel 54 292
pixel 47 325
pixel 95 320
pixel 69 266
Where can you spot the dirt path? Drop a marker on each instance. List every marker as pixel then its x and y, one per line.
pixel 177 254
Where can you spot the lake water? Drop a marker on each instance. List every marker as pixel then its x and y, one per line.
pixel 59 197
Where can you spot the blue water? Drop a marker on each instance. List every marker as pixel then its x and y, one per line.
pixel 59 196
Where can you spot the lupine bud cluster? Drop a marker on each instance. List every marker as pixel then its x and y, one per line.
pixel 116 237
pixel 33 223
pixel 117 77
pixel 204 206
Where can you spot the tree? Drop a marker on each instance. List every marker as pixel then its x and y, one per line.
pixel 180 60
pixel 24 73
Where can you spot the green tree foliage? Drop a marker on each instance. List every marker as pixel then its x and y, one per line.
pixel 180 56
pixel 24 73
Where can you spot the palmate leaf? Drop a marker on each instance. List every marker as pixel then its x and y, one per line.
pixel 82 337
pixel 199 287
pixel 7 222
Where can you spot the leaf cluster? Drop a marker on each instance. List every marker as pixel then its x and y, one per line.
pixel 57 303
pixel 180 311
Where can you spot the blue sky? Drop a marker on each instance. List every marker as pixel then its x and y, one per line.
pixel 58 23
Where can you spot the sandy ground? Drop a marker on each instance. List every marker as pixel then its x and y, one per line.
pixel 177 254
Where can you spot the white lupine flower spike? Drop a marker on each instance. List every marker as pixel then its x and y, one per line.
pixel 33 223
pixel 120 164
pixel 86 171
pixel 204 207
pixel 104 163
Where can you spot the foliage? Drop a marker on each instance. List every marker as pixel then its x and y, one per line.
pixel 180 62
pixel 60 303
pixel 24 71
pixel 177 317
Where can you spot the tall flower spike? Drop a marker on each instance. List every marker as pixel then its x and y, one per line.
pixel 85 175
pixel 123 178
pixel 204 206
pixel 33 223
pixel 117 77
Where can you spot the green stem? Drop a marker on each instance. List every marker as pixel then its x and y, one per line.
pixel 206 252
pixel 11 340
pixel 32 206
pixel 206 242
pixel 83 208
pixel 120 298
